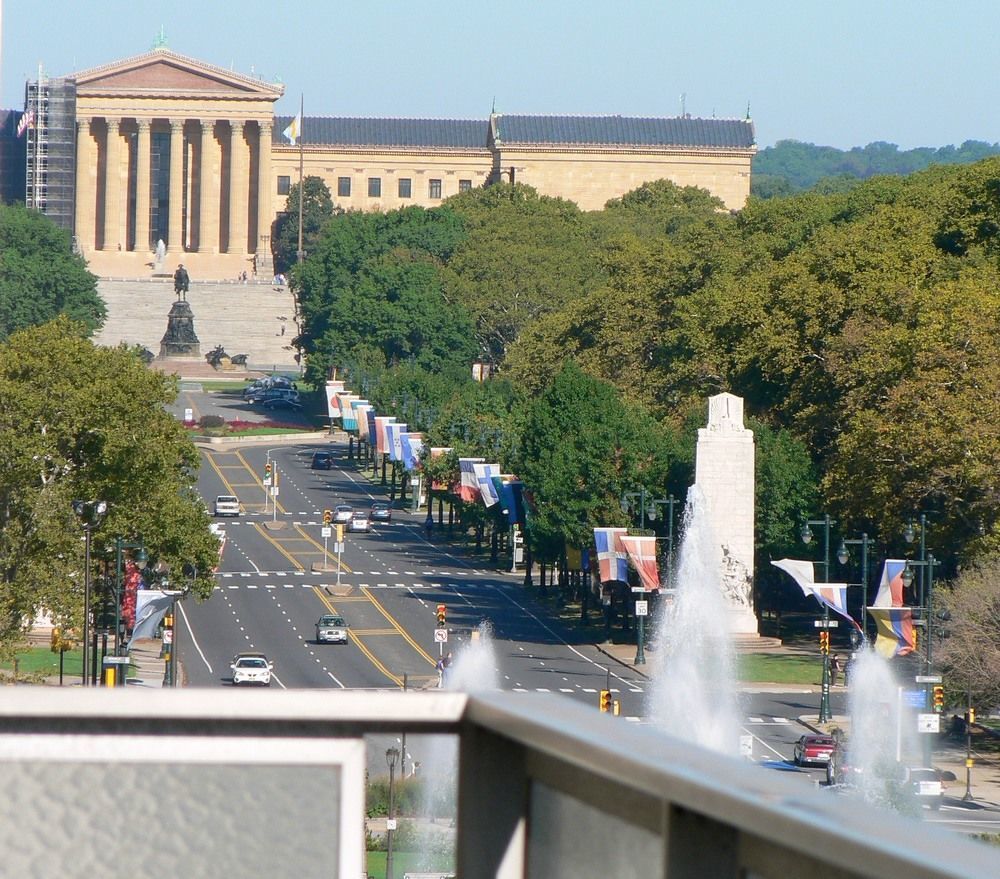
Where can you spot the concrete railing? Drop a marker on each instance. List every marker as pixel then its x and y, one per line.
pixel 204 783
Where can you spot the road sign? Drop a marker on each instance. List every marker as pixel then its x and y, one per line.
pixel 274 491
pixel 267 481
pixel 326 531
pixel 125 660
pixel 642 608
pixel 826 624
pixel 188 415
pixel 440 636
pixel 928 679
pixel 928 723
pixel 390 823
pixel 915 698
pixel 168 636
pixel 338 547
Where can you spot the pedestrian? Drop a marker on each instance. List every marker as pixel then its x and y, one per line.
pixel 429 524
pixel 439 666
pixel 181 282
pixel 446 668
pixel 835 669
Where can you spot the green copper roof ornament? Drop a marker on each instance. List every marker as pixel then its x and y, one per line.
pixel 161 39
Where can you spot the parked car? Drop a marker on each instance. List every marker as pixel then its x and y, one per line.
pixel 322 461
pixel 331 629
pixel 359 521
pixel 268 383
pixel 281 401
pixel 251 668
pixel 342 513
pixel 381 512
pixel 274 396
pixel 926 785
pixel 227 505
pixel 814 749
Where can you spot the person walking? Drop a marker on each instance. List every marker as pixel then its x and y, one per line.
pixel 181 282
pixel 835 667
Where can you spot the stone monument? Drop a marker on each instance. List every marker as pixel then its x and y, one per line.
pixel 180 339
pixel 724 471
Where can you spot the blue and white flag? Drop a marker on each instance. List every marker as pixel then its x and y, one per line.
pixel 393 445
pixel 611 556
pixel 413 445
pixel 484 476
pixel 151 605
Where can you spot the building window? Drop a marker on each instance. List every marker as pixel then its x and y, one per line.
pixel 284 184
pixel 374 187
pixel 405 187
pixel 344 187
pixel 464 185
pixel 434 188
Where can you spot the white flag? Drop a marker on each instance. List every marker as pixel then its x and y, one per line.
pixel 294 129
pixel 150 607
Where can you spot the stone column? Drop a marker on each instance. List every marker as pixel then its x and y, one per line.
pixel 86 193
pixel 265 189
pixel 142 182
pixel 208 191
pixel 175 239
pixel 238 189
pixel 113 236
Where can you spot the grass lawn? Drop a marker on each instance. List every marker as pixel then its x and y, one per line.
pixel 43 662
pixel 407 861
pixel 778 668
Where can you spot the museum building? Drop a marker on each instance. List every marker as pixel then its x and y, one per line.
pixel 162 147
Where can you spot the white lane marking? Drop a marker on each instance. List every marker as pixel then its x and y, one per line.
pixel 187 622
pixel 774 751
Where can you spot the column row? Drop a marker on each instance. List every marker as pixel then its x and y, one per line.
pixel 198 185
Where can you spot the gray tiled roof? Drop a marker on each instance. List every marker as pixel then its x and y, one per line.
pixel 621 130
pixel 346 131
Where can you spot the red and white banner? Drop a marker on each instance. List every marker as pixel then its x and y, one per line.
pixel 27 121
pixel 332 400
pixel 642 553
pixel 381 421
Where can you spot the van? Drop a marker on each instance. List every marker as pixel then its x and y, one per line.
pixel 227 505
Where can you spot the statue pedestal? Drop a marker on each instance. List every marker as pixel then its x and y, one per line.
pixel 180 339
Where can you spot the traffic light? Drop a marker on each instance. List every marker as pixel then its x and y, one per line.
pixel 916 640
pixel 327 517
pixel 939 698
pixel 56 639
pixel 824 642
pixel 972 715
pixel 340 532
pixel 605 703
pixel 442 613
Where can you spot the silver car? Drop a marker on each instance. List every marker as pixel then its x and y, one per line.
pixel 331 629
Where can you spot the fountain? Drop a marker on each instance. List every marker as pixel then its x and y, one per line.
pixel 694 692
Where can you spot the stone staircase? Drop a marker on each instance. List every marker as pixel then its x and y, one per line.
pixel 243 318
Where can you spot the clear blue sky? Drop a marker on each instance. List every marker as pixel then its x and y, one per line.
pixel 910 72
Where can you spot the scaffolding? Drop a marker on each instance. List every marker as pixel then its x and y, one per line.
pixel 50 168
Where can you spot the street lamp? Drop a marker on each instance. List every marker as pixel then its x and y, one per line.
pixel 669 502
pixel 90 514
pixel 391 756
pixel 807 535
pixel 140 558
pixel 927 563
pixel 844 556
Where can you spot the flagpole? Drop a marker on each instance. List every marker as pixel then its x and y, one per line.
pixel 302 193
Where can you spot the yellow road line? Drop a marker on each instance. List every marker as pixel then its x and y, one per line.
pixel 332 555
pixel 368 632
pixel 398 627
pixel 278 547
pixel 258 482
pixel 361 645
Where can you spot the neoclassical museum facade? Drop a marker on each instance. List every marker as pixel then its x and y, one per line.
pixel 162 147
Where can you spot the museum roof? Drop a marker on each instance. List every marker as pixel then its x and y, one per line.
pixel 681 131
pixel 359 131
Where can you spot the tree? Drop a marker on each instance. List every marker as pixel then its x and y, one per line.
pixel 40 277
pixel 317 209
pixel 82 422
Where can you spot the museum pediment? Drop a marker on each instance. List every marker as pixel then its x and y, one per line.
pixel 166 72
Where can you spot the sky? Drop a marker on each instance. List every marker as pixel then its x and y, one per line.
pixel 842 74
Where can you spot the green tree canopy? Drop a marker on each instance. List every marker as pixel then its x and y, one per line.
pixel 317 209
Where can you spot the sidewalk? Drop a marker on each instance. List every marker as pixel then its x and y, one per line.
pixel 147 665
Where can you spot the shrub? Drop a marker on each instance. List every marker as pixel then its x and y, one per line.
pixel 208 422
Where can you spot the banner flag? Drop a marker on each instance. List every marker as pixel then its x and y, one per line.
pixel 895 630
pixel 294 129
pixel 468 487
pixel 522 502
pixel 27 121
pixel 348 421
pixel 332 401
pixel 370 425
pixel 380 435
pixel 642 553
pixel 413 445
pixel 890 587
pixel 357 414
pixel 502 487
pixel 611 557
pixel 833 595
pixel 484 478
pixel 392 443
pixel 151 605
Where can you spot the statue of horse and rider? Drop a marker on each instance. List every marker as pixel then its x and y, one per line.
pixel 181 283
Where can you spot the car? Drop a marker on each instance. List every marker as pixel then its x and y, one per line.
pixel 331 629
pixel 359 521
pixel 926 785
pixel 275 396
pixel 227 505
pixel 814 749
pixel 251 668
pixel 268 383
pixel 281 402
pixel 381 512
pixel 322 461
pixel 342 513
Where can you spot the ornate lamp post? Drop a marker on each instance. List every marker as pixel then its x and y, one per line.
pixel 90 514
pixel 844 556
pixel 391 756
pixel 806 535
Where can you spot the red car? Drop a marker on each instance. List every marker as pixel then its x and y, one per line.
pixel 814 749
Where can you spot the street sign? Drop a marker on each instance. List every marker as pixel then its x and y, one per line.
pixel 267 481
pixel 440 636
pixel 915 698
pixel 274 491
pixel 188 415
pixel 390 823
pixel 642 608
pixel 168 636
pixel 120 660
pixel 928 679
pixel 928 723
pixel 826 624
pixel 338 547
pixel 325 531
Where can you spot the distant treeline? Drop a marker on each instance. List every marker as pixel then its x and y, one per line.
pixel 791 166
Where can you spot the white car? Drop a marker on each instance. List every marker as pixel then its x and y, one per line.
pixel 251 668
pixel 331 629
pixel 342 513
pixel 359 521
pixel 227 505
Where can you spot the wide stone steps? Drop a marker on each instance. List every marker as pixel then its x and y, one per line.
pixel 243 318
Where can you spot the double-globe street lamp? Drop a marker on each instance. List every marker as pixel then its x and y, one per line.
pixel 807 535
pixel 90 514
pixel 844 556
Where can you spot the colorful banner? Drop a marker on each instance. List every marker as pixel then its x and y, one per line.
pixel 332 402
pixel 642 553
pixel 413 446
pixel 895 630
pixel 611 557
pixel 468 485
pixel 833 595
pixel 502 487
pixel 348 420
pixel 484 479
pixel 370 433
pixel 392 443
pixel 890 587
pixel 380 435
